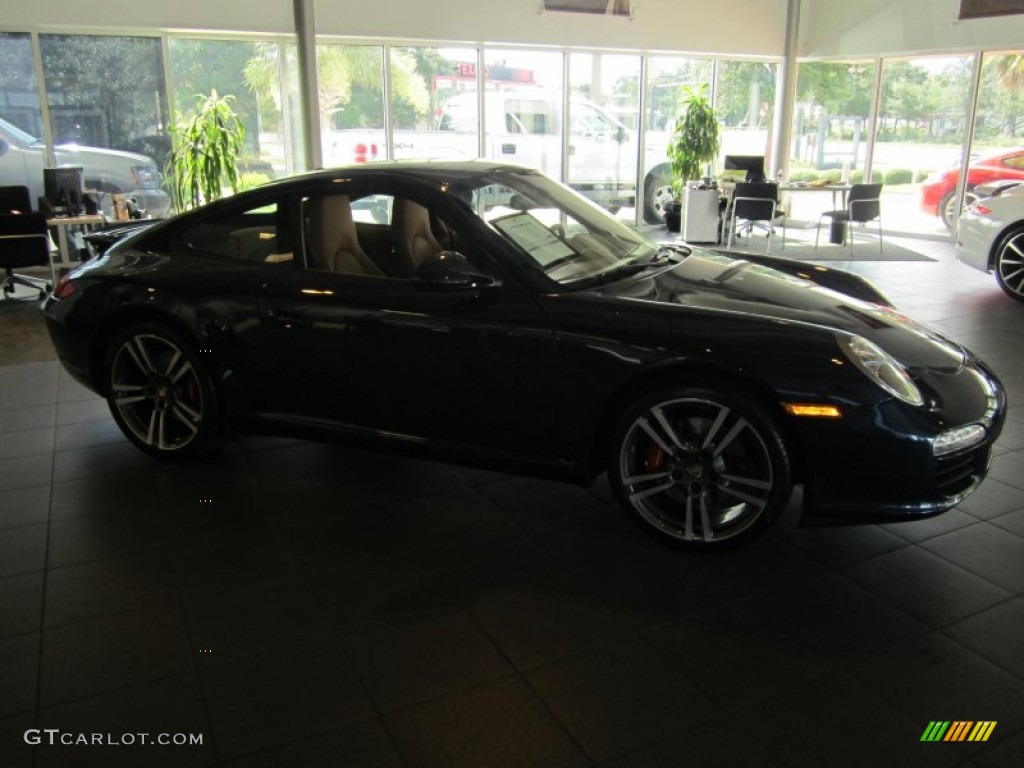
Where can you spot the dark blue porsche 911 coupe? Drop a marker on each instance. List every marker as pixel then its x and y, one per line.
pixel 482 313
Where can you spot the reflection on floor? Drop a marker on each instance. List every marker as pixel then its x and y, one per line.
pixel 301 604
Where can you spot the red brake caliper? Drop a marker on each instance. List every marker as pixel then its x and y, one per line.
pixel 655 457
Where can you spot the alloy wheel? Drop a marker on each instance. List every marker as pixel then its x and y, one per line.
pixel 700 471
pixel 157 392
pixel 1009 266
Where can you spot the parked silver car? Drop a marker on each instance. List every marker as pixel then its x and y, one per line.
pixel 990 236
pixel 106 171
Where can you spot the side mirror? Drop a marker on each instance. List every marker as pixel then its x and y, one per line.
pixel 621 134
pixel 450 271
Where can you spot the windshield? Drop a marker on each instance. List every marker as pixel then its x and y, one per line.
pixel 568 237
pixel 17 134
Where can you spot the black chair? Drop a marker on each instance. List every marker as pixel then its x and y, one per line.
pixel 754 203
pixel 863 204
pixel 24 242
pixel 15 200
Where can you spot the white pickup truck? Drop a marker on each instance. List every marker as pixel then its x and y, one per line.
pixel 523 125
pixel 104 171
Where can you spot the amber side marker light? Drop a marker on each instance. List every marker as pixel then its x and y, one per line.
pixel 813 409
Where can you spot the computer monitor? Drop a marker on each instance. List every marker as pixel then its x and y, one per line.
pixel 752 164
pixel 63 188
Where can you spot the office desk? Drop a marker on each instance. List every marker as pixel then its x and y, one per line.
pixel 63 224
pixel 839 192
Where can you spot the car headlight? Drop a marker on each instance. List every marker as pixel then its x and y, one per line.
pixel 879 366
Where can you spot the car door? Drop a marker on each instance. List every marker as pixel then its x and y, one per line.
pixel 370 348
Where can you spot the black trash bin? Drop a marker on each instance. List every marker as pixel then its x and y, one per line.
pixel 837 232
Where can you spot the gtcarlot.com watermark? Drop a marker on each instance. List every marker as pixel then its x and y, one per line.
pixel 54 736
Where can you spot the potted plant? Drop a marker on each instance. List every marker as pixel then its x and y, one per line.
pixel 205 150
pixel 694 144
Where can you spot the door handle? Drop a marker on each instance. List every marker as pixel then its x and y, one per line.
pixel 289 320
pixel 508 149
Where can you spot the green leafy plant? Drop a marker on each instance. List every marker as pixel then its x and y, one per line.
pixel 695 139
pixel 205 150
pixel 252 179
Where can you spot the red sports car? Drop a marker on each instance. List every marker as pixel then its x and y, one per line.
pixel 939 189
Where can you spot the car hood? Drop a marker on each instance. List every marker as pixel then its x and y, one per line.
pixel 73 154
pixel 710 282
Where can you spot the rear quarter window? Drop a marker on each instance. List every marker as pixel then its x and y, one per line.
pixel 254 235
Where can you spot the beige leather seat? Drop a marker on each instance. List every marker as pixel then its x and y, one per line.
pixel 332 241
pixel 414 241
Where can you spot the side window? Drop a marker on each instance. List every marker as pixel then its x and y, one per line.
pixel 529 115
pixel 372 209
pixel 254 235
pixel 1016 162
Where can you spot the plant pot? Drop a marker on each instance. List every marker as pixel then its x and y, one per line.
pixel 673 216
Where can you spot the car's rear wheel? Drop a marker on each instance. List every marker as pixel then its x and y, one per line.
pixel 701 468
pixel 949 210
pixel 1009 264
pixel 159 393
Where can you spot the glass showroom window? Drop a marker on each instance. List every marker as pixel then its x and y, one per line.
pixel 604 102
pixel 423 81
pixel 351 81
pixel 250 73
pixel 523 109
pixel 922 121
pixel 667 78
pixel 22 154
pixel 745 103
pixel 106 91
pixel 831 126
pixel 996 151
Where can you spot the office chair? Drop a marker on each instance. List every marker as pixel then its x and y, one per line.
pixel 863 204
pixel 15 200
pixel 756 204
pixel 24 242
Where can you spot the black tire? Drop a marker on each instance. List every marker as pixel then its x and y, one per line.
pixel 701 468
pixel 159 393
pixel 657 192
pixel 947 207
pixel 1008 264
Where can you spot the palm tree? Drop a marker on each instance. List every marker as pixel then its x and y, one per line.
pixel 343 72
pixel 1009 70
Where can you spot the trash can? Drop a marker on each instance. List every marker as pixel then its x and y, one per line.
pixel 837 232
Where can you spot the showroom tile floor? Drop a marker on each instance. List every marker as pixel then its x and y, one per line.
pixel 306 605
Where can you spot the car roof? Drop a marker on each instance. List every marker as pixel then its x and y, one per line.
pixel 434 170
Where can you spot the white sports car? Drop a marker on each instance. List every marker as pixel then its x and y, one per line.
pixel 991 235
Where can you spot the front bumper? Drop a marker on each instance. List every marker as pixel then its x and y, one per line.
pixel 870 467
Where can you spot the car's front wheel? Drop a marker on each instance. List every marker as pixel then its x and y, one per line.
pixel 1009 264
pixel 159 393
pixel 699 467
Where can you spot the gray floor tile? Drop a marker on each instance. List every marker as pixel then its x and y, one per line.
pixel 996 633
pixel 171 706
pixel 24 506
pixel 22 550
pixel 987 550
pixel 282 697
pixel 93 657
pixel 619 699
pixel 366 744
pixel 500 724
pixel 19 659
pixel 423 658
pixel 927 586
pixel 21 604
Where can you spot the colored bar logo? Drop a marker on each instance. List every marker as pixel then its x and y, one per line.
pixel 958 730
